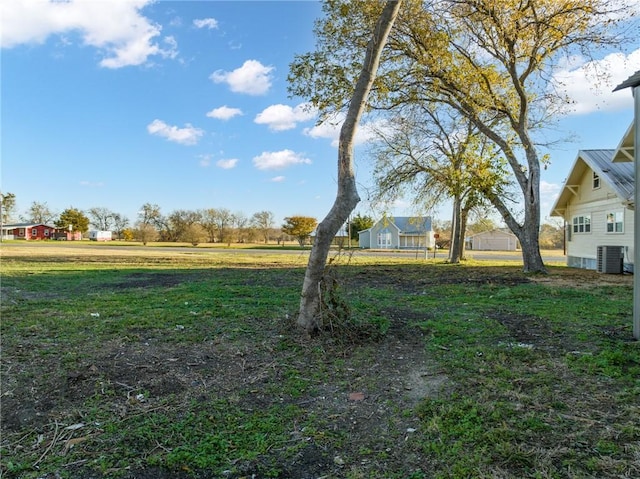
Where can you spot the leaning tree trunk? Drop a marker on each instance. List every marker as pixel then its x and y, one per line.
pixel 347 198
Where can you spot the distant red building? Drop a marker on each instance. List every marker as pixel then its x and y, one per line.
pixel 37 231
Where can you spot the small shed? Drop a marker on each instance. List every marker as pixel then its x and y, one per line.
pixel 494 240
pixel 96 235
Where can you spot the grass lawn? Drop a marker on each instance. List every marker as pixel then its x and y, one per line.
pixel 187 364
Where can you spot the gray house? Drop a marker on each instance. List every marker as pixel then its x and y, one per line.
pixel 400 232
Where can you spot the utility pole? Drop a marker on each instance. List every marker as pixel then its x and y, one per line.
pixel 633 82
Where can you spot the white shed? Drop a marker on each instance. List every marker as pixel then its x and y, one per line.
pixel 494 240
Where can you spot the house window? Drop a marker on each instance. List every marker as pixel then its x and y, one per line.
pixel 596 181
pixel 615 222
pixel 384 239
pixel 582 224
pixel 46 232
pixel 34 232
pixel 21 232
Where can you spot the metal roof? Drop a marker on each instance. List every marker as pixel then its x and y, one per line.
pixel 618 176
pixel 25 225
pixel 407 224
pixel 633 81
pixel 412 224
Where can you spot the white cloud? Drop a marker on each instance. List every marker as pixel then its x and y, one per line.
pixel 117 28
pixel 277 160
pixel 278 179
pixel 589 84
pixel 252 78
pixel 188 135
pixel 282 117
pixel 210 23
pixel 227 164
pixel 224 113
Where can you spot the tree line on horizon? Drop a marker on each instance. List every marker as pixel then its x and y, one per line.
pixel 210 225
pixel 221 225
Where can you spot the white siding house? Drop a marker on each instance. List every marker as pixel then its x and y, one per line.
pixel 596 203
pixel 400 232
pixel 494 240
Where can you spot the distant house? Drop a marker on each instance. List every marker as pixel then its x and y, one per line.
pixel 28 231
pixel 494 240
pixel 597 202
pixel 400 232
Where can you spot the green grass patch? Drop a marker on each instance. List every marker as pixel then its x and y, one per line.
pixel 187 363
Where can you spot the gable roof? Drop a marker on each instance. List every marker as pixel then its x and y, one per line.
pixel 618 176
pixel 406 224
pixel 412 224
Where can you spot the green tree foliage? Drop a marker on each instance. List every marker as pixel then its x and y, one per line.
pixel 300 227
pixel 489 61
pixel 360 223
pixel 73 219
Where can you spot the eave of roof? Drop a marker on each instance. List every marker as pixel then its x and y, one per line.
pixel 633 81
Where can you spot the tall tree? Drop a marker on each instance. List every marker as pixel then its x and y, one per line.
pixel 208 222
pixel 347 197
pixel 120 224
pixel 300 227
pixel 223 221
pixel 433 155
pixel 101 218
pixel 150 214
pixel 488 60
pixel 73 219
pixel 264 222
pixel 40 213
pixel 240 222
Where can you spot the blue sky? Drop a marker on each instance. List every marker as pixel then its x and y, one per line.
pixel 184 104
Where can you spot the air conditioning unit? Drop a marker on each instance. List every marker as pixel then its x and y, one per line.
pixel 610 259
